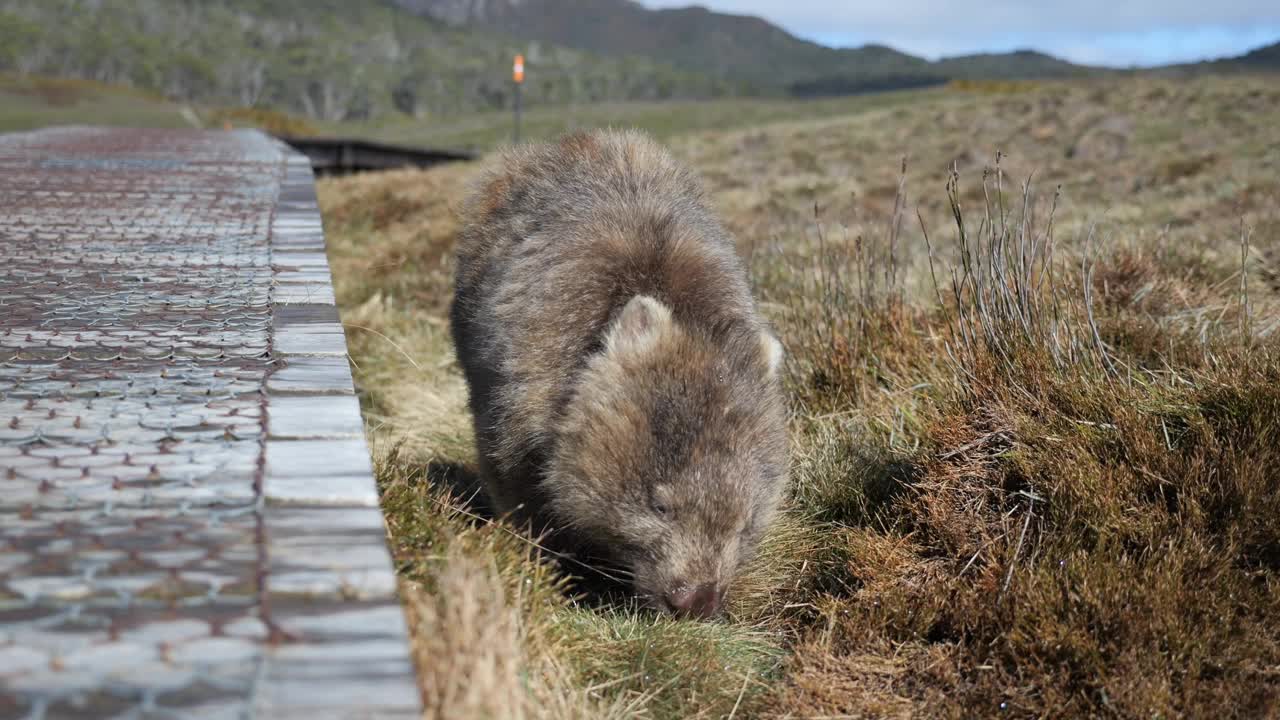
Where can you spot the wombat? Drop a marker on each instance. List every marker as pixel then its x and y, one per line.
pixel 623 386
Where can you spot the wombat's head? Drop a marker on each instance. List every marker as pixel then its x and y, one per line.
pixel 672 454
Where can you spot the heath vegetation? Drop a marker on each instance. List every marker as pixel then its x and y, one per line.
pixel 1034 385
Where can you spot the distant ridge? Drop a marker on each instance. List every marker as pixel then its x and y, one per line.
pixel 1265 59
pixel 330 60
pixel 1267 56
pixel 758 56
pixel 339 60
pixel 743 49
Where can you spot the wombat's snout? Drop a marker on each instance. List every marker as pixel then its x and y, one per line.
pixel 703 601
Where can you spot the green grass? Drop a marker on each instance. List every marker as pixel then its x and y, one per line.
pixel 663 119
pixel 31 103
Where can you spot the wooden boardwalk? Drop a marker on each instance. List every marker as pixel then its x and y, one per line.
pixel 188 518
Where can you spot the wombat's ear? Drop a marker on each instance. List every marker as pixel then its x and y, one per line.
pixel 639 326
pixel 773 353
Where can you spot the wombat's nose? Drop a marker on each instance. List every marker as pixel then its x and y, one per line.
pixel 702 601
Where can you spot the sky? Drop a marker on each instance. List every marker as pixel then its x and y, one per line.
pixel 1097 32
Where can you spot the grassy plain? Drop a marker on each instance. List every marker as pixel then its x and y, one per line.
pixel 29 102
pixel 1036 452
pixel 484 131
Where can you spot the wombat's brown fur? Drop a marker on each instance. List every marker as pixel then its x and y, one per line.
pixel 623 386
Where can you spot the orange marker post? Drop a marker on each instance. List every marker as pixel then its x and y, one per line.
pixel 517 75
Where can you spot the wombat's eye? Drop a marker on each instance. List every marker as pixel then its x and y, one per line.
pixel 660 508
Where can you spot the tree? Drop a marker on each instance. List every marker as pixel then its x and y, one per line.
pixel 18 43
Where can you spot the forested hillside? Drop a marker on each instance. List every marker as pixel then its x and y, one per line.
pixel 358 60
pixel 740 48
pixel 327 59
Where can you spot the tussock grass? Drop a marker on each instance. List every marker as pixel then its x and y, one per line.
pixel 1048 547
pixel 1035 431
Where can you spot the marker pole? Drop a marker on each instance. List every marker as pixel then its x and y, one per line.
pixel 517 75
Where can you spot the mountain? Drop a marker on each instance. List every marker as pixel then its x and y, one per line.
pixel 758 55
pixel 1016 65
pixel 330 60
pixel 336 60
pixel 1267 57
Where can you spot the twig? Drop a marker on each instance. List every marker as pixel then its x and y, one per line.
pixel 1013 562
pixel 384 337
pixel 522 538
pixel 1246 320
pixel 929 249
pixel 743 691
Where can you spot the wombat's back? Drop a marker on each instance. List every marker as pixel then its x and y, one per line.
pixel 558 237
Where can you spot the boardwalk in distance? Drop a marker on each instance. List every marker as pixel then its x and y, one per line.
pixel 188 519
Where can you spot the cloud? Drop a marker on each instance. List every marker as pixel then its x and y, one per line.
pixel 1097 31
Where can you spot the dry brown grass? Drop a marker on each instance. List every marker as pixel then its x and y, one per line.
pixel 466 619
pixel 1035 459
pixel 275 122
